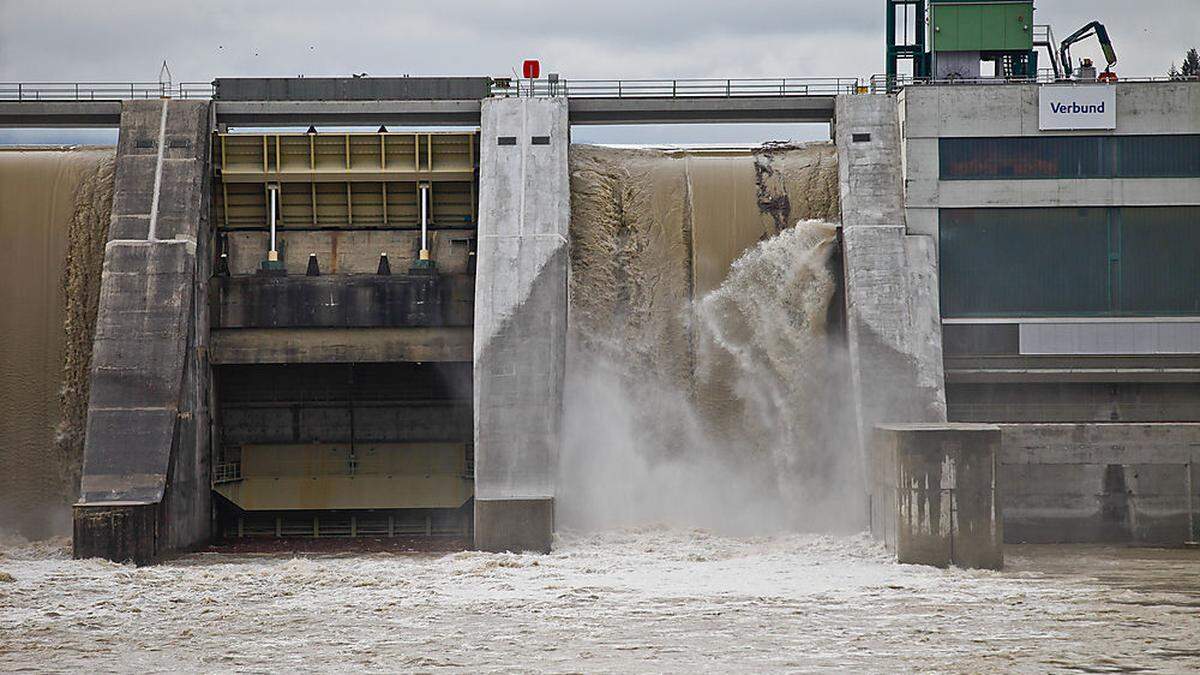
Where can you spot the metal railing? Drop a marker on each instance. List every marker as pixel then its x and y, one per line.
pixel 227 472
pixel 617 88
pixel 687 88
pixel 679 88
pixel 1043 34
pixel 102 91
pixel 880 83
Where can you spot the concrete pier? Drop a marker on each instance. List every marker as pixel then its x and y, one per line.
pixel 1113 483
pixel 145 486
pixel 520 319
pixel 892 319
pixel 934 496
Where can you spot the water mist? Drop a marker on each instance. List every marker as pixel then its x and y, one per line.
pixel 755 440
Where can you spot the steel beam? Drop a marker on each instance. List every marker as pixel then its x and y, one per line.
pixel 580 111
pixel 69 114
pixel 440 113
pixel 700 110
pixel 347 113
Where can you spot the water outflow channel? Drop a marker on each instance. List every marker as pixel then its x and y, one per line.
pixel 703 374
pixel 55 206
pixel 633 600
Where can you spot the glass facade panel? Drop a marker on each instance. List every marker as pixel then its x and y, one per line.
pixel 1023 262
pixel 1096 261
pixel 1069 157
pixel 1159 260
pixel 1157 156
pixel 1041 157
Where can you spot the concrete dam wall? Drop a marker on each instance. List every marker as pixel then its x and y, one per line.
pixel 53 223
pixel 653 232
pixel 586 336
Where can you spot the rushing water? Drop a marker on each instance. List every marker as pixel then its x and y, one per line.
pixel 648 599
pixel 703 383
pixel 54 213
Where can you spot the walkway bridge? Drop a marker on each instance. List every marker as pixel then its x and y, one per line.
pixel 334 101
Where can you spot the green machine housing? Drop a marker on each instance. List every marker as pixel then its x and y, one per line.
pixel 947 39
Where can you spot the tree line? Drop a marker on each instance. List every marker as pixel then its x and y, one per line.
pixel 1190 68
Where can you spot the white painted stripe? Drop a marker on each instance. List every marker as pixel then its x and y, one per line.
pixel 558 237
pixel 1065 319
pixel 143 242
pixel 162 138
pixel 1104 338
pixel 524 146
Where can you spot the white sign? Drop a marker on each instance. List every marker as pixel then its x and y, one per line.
pixel 1077 106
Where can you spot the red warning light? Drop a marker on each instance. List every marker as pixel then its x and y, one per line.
pixel 532 69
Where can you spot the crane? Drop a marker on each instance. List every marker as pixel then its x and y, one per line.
pixel 1094 28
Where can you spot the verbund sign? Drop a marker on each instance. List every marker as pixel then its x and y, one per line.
pixel 1077 106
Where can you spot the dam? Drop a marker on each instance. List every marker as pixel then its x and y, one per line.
pixel 377 334
pixel 534 373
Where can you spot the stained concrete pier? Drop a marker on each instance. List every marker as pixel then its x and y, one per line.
pixel 520 320
pixel 145 483
pixel 892 321
pixel 934 493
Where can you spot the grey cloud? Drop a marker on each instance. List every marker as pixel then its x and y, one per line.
pixel 56 40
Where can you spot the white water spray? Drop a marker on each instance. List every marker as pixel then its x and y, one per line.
pixel 753 442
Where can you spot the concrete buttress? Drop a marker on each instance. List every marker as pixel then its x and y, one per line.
pixel 145 484
pixel 893 322
pixel 520 320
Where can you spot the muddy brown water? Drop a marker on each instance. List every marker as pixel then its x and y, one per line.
pixel 700 366
pixel 54 210
pixel 648 599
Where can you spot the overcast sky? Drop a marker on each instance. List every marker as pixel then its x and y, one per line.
pixel 91 40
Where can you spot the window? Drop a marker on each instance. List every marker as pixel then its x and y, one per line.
pixel 1159 256
pixel 1128 261
pixel 1069 157
pixel 1020 262
pixel 1157 156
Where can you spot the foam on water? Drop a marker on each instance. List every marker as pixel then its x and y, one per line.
pixel 627 600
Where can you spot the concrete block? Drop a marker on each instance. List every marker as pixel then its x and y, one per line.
pixel 1084 444
pixel 343 301
pixel 129 227
pixel 133 188
pixel 352 252
pixel 121 532
pixel 934 494
pixel 1011 110
pixel 869 168
pixel 516 525
pixel 893 327
pixel 335 345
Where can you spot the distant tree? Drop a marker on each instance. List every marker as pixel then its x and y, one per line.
pixel 1191 64
pixel 1173 72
